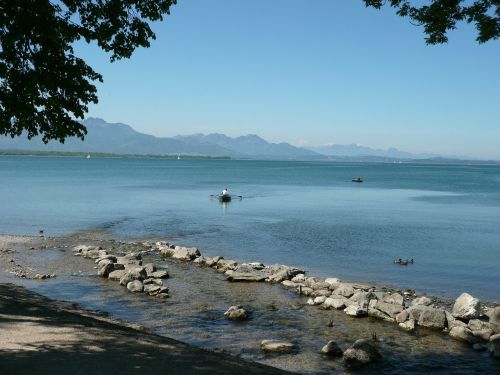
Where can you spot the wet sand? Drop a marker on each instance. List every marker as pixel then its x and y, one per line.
pixel 199 296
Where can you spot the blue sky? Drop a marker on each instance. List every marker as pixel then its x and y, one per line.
pixel 308 73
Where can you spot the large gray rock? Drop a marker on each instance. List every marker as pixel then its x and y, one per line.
pixel 402 316
pixel 136 273
pixel 332 349
pixel 463 334
pixel 276 346
pixel 394 299
pixel 116 275
pixel 236 313
pixel 408 325
pixel 466 307
pixel 151 289
pixel 181 252
pixel 389 309
pixel 105 267
pixel 357 310
pixel 344 290
pixel 161 274
pixel 495 319
pixel 361 353
pixel 247 273
pixel 429 317
pixel 337 302
pixel 135 286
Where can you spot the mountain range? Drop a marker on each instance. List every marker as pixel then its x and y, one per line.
pixel 120 138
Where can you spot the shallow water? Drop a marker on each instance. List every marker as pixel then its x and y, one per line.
pixel 446 217
pixel 199 297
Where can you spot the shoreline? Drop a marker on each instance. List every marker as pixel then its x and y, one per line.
pixel 42 335
pixel 175 260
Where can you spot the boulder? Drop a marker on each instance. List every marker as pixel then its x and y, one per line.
pixel 344 289
pixel 224 265
pixel 336 303
pixel 332 349
pixel 408 326
pixel 477 325
pixel 321 285
pixel 463 334
pixel 236 313
pixel 247 273
pixel 394 299
pixel 276 346
pixel 137 273
pixel 151 289
pixel 421 301
pixel 483 334
pixel 429 317
pixel 466 307
pixel 299 278
pixel 319 300
pixel 390 309
pixel 356 310
pixel 495 319
pixel 495 345
pixel 162 274
pixel 321 293
pixel 135 286
pixel 452 322
pixel 432 318
pixel 149 267
pixel 288 284
pixel 105 267
pixel 402 316
pixel 116 275
pixel 333 282
pixel 361 353
pixel 108 256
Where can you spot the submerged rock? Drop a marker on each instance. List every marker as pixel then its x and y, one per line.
pixel 408 326
pixel 361 353
pixel 332 349
pixel 463 334
pixel 276 346
pixel 495 345
pixel 466 307
pixel 236 313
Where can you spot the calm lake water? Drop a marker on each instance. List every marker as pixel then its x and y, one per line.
pixel 310 214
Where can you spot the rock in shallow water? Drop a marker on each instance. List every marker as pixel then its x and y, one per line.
pixel 495 319
pixel 135 286
pixel 466 307
pixel 236 313
pixel 463 334
pixel 332 349
pixel 276 346
pixel 361 353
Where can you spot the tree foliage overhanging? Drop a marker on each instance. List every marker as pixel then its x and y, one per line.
pixel 45 88
pixel 439 16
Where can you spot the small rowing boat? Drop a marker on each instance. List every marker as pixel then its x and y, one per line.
pixel 357 179
pixel 224 198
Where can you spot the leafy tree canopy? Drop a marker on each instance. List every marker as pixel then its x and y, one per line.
pixel 45 88
pixel 439 16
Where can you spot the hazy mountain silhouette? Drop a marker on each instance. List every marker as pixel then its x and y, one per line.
pixel 354 150
pixel 122 139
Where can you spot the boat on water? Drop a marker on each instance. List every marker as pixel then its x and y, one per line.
pixel 225 198
pixel 357 179
pixel 88 156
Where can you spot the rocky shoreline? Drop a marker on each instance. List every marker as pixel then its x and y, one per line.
pixel 466 320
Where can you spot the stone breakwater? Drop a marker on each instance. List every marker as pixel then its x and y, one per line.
pixel 128 270
pixel 467 320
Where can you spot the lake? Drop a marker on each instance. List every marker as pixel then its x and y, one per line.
pixel 308 214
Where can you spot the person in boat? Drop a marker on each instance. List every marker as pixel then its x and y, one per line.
pixel 225 192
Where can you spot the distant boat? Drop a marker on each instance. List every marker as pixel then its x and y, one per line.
pixel 357 179
pixel 178 156
pixel 88 156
